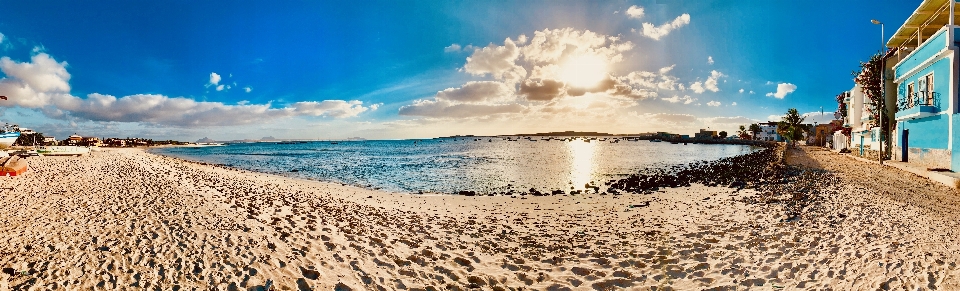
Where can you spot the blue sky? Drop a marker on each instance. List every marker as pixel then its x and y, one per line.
pixel 395 69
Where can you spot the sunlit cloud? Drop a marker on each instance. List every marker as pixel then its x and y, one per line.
pixel 656 32
pixel 635 12
pixel 783 89
pixel 677 99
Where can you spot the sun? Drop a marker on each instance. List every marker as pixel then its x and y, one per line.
pixel 583 71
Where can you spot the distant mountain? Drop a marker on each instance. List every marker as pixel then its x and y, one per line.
pixel 205 140
pixel 268 138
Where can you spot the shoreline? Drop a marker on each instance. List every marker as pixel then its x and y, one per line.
pixel 605 184
pixel 124 218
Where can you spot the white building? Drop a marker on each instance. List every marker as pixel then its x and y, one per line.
pixel 768 132
pixel 863 129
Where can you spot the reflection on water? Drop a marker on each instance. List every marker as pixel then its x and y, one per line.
pixel 582 165
pixel 487 165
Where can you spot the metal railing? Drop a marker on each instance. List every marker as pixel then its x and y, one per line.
pixel 919 99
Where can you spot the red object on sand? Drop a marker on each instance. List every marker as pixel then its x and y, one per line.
pixel 12 166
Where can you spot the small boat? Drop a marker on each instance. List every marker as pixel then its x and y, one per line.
pixel 62 151
pixel 333 142
pixel 9 134
pixel 655 140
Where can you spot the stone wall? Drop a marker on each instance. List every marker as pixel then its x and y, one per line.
pixel 929 158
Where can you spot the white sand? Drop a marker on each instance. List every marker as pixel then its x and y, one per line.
pixel 125 219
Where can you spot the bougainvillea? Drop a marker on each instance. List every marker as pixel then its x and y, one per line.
pixel 869 78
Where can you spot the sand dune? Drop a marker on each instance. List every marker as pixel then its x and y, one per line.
pixel 125 219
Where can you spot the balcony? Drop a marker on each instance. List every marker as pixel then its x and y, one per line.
pixel 923 104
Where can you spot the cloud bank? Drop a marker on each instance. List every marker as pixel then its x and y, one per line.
pixel 43 84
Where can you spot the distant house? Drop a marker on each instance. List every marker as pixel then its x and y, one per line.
pixel 768 132
pixel 78 140
pixel 705 134
pixel 821 134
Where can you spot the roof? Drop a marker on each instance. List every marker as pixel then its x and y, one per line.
pixel 929 17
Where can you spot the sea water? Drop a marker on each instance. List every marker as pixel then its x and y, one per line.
pixel 449 165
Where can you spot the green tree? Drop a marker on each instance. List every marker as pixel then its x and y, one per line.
pixel 742 132
pixel 722 134
pixel 28 139
pixel 791 126
pixel 755 129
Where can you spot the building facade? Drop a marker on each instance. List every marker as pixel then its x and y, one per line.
pixel 924 78
pixel 706 134
pixel 768 132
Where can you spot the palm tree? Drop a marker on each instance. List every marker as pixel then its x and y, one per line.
pixel 755 129
pixel 791 126
pixel 743 132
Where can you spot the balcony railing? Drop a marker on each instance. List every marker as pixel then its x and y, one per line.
pixel 919 99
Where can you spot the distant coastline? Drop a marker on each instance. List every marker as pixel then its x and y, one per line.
pixel 637 136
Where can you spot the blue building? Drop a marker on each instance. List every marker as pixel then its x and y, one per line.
pixel 923 72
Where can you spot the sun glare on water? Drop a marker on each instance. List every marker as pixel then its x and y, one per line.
pixel 584 71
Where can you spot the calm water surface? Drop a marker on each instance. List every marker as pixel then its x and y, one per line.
pixel 450 165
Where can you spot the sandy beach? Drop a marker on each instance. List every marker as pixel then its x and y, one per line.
pixel 124 219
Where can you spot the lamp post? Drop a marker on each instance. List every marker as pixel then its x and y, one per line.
pixel 882 87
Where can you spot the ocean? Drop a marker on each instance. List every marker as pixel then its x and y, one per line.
pixel 451 165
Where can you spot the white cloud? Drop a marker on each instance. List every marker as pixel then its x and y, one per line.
pixel 214 79
pixel 741 90
pixel 42 84
pixel 247 89
pixel 817 117
pixel 713 103
pixel 674 118
pixel 43 73
pixel 736 120
pixel 498 61
pixel 711 83
pixel 709 60
pixel 452 48
pixel 666 70
pixel 770 83
pixel 697 87
pixel 677 99
pixel 733 104
pixel 656 32
pixel 447 109
pixel 477 92
pixel 635 12
pixel 751 92
pixel 551 46
pixel 782 90
pixel 1 38
pixel 220 88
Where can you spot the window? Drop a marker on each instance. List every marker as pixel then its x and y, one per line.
pixel 929 88
pixel 909 95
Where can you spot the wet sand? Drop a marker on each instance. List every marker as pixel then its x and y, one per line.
pixel 126 219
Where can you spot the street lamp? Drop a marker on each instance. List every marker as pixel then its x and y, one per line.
pixel 882 87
